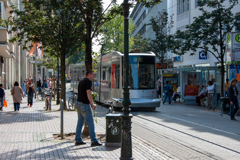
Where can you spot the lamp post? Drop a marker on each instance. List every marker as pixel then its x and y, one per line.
pixel 126 144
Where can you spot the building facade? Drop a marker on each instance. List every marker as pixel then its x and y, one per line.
pixel 15 65
pixel 183 12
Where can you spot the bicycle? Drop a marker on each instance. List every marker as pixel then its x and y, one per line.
pixel 71 102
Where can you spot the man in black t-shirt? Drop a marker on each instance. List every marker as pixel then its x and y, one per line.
pixel 83 103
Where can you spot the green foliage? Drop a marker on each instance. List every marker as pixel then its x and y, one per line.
pixel 140 45
pixel 163 41
pixel 112 33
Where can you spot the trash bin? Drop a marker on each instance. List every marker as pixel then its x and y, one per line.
pixel 225 105
pixel 113 130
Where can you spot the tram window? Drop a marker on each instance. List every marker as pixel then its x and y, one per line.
pixel 115 76
pixel 142 72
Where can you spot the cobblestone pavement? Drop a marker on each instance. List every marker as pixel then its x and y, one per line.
pixel 28 134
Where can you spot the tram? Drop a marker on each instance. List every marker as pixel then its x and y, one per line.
pixel 109 82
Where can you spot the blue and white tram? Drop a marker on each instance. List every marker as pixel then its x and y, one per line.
pixel 142 79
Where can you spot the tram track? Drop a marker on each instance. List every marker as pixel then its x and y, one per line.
pixel 175 147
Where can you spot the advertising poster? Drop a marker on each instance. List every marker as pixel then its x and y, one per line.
pixel 191 90
pixel 171 78
pixel 191 83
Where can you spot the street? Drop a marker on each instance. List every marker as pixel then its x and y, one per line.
pixel 171 132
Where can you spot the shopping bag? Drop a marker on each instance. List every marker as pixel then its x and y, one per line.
pixel 5 103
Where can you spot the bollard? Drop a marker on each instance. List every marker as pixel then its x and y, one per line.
pixel 61 131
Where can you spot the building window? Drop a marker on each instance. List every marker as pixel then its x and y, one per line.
pixel 196 3
pixel 182 6
pixel 142 30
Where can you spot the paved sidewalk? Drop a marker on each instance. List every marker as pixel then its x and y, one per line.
pixel 28 134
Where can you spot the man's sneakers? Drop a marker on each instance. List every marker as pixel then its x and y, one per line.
pixel 96 144
pixel 233 119
pixel 79 143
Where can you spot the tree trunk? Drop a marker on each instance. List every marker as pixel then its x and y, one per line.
pixel 88 63
pixel 222 77
pixel 88 54
pixel 63 83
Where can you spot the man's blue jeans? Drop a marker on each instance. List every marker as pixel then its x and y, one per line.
pixel 167 94
pixel 233 110
pixel 84 113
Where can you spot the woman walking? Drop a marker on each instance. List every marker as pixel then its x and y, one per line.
pixel 30 91
pixel 17 94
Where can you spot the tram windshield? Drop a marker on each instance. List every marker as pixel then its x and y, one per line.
pixel 142 72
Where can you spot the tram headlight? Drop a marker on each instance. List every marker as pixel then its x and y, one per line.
pixel 153 92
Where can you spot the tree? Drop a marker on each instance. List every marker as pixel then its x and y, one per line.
pixel 56 24
pixel 94 17
pixel 208 31
pixel 140 44
pixel 113 34
pixel 163 41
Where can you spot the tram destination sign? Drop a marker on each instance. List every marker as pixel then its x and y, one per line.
pixel 232 48
pixel 161 66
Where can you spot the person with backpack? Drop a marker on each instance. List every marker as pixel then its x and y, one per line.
pixel 167 92
pixel 30 91
pixel 2 96
pixel 17 94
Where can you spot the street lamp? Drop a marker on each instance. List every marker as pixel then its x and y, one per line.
pixel 126 143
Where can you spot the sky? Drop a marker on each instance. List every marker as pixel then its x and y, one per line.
pixel 96 48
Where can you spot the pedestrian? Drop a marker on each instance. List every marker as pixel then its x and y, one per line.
pixel 39 84
pixel 2 96
pixel 210 89
pixel 23 86
pixel 176 94
pixel 167 92
pixel 45 85
pixel 201 95
pixel 17 94
pixel 83 105
pixel 227 84
pixel 30 91
pixel 232 96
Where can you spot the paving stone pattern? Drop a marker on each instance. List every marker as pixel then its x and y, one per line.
pixel 27 134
